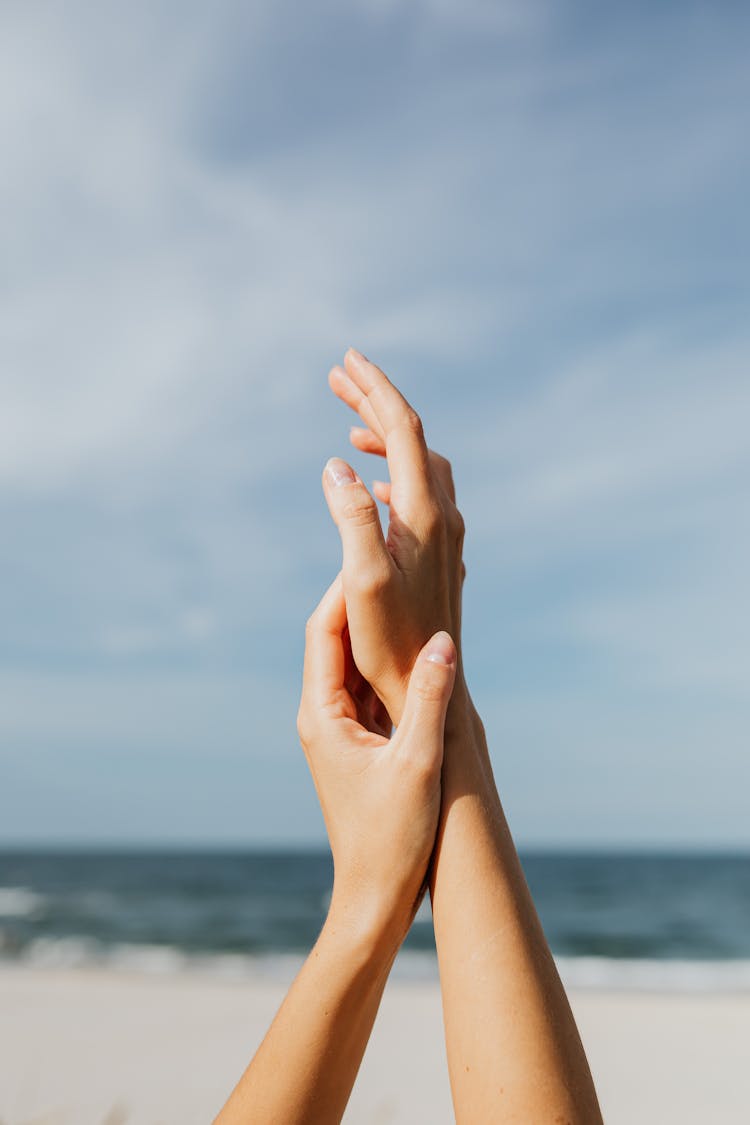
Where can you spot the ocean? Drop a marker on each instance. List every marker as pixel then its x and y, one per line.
pixel 619 921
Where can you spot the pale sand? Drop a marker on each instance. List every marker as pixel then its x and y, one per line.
pixel 85 1047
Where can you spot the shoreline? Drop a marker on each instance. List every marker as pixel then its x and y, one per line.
pixel 584 973
pixel 95 1046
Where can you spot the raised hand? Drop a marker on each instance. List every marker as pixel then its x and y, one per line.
pixel 513 1048
pixel 381 802
pixel 380 798
pixel 401 588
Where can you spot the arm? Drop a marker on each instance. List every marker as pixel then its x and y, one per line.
pixel 380 799
pixel 514 1052
pixel 305 1067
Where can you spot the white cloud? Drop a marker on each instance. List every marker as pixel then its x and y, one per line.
pixel 193 626
pixel 177 714
pixel 619 494
pixel 615 442
pixel 531 237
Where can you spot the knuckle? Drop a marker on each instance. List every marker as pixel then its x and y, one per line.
pixel 360 510
pixel 432 520
pixel 372 581
pixel 456 523
pixel 413 423
pixel 445 467
pixel 430 687
pixel 444 473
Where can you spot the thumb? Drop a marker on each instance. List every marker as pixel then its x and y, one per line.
pixel 420 732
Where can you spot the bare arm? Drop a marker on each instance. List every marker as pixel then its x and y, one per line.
pixel 380 798
pixel 305 1068
pixel 514 1052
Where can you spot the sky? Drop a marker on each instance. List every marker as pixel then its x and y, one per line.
pixel 534 217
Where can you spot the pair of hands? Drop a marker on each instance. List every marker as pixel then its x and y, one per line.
pixel 378 648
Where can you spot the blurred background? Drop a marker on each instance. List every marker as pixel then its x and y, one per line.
pixel 534 217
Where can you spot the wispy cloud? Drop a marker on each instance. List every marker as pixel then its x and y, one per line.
pixel 536 220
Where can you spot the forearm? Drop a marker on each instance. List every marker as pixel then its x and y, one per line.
pixel 513 1048
pixel 304 1070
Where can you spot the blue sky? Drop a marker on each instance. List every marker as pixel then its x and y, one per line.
pixel 534 216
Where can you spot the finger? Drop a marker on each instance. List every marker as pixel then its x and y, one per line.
pixel 387 413
pixel 355 514
pixel 347 390
pixel 421 730
pixel 368 442
pixel 382 490
pixel 325 657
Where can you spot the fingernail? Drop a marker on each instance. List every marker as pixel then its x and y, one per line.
pixel 358 355
pixel 441 649
pixel 338 472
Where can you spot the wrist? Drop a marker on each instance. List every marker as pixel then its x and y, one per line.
pixel 371 926
pixel 466 763
pixel 462 719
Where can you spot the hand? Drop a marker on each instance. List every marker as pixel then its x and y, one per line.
pixel 401 590
pixel 380 798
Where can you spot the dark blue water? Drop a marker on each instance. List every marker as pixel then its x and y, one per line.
pixel 641 913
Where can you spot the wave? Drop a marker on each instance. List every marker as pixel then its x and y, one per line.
pixel 149 959
pixel 600 974
pixel 19 902
pixel 604 974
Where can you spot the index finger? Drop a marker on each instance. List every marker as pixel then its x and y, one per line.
pixel 365 388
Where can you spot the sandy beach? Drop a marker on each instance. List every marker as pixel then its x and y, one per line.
pixel 97 1047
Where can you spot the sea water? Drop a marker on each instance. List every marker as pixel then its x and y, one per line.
pixel 613 920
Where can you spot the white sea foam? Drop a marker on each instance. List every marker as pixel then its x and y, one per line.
pixel 604 974
pixel 590 973
pixel 155 960
pixel 19 902
pixel 63 953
